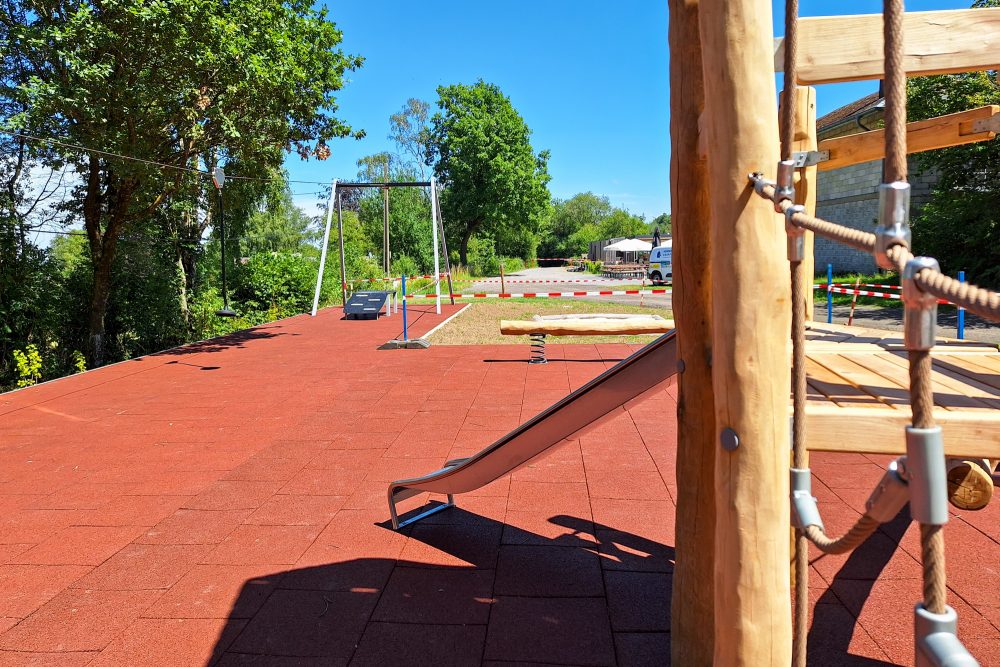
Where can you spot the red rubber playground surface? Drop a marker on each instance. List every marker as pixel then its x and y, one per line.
pixel 224 503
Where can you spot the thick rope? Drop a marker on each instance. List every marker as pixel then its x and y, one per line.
pixel 858 533
pixel 895 92
pixel 799 459
pixel 791 58
pixel 932 556
pixel 978 300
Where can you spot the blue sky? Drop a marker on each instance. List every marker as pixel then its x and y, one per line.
pixel 590 78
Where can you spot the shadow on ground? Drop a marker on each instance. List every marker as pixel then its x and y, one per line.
pixel 238 339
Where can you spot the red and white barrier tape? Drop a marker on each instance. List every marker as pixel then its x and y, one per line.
pixel 882 295
pixel 566 280
pixel 543 295
pixel 875 285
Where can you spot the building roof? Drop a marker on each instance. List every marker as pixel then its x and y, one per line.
pixel 854 108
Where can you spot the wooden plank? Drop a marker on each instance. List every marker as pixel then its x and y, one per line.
pixel 850 48
pixel 969 366
pixel 692 613
pixel 873 384
pixel 829 347
pixel 750 374
pixel 585 327
pixel 839 390
pixel 805 187
pixel 887 365
pixel 966 434
pixel 924 135
pixel 949 380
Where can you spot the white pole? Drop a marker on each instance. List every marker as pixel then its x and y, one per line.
pixel 434 232
pixel 326 242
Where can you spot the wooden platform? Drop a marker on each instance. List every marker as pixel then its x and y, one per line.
pixel 858 401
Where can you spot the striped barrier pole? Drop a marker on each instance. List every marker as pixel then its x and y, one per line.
pixel 829 293
pixel 405 337
pixel 961 312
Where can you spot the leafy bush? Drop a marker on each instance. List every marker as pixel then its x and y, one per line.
pixel 512 264
pixel 593 267
pixel 404 265
pixel 483 260
pixel 277 280
pixel 28 363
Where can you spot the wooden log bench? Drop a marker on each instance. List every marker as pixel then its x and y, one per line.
pixel 581 325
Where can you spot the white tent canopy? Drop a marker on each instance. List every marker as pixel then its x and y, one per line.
pixel 629 245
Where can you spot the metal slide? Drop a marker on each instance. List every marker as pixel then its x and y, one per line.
pixel 642 372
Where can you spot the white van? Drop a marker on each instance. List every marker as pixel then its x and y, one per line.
pixel 660 267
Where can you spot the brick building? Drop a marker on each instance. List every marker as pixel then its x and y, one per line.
pixel 849 196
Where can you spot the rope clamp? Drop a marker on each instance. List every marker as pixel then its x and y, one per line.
pixel 796 235
pixel 891 494
pixel 805 513
pixel 893 221
pixel 785 188
pixel 928 477
pixel 920 311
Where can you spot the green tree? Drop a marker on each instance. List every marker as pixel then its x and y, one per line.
pixel 181 82
pixel 482 154
pixel 622 223
pixel 960 225
pixel 573 224
pixel 408 130
pixel 663 222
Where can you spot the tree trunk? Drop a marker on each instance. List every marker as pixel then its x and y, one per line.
pixel 463 250
pixel 100 293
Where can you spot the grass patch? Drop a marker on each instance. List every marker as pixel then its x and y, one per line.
pixel 849 279
pixel 479 324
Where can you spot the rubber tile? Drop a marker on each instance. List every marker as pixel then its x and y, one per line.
pixel 436 596
pixel 287 510
pixel 420 644
pixel 144 567
pixel 171 642
pixel 78 620
pixel 81 545
pixel 25 588
pixel 263 545
pixel 217 591
pixel 557 498
pixel 187 526
pixel 569 631
pixel 260 469
pixel 225 495
pixel 132 511
pixel 639 601
pixel 40 659
pixel 644 649
pixel 549 571
pixel 544 528
pixel 454 545
pixel 307 624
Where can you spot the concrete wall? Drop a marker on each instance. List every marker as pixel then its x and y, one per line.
pixel 849 196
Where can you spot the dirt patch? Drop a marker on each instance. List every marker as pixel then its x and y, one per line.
pixel 479 324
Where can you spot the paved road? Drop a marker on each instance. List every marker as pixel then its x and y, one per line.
pixel 569 281
pixel 976 328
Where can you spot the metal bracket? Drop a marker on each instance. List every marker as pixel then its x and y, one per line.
pixel 936 642
pixel 804 510
pixel 920 307
pixel 891 494
pixel 785 188
pixel 809 158
pixel 991 124
pixel 893 220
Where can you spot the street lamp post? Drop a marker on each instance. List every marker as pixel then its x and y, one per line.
pixel 219 178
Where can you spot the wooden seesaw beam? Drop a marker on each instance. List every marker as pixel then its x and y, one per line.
pixel 849 48
pixel 965 127
pixel 585 327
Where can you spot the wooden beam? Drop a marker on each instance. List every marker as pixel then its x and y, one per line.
pixel 967 433
pixel 588 327
pixel 849 48
pixel 964 127
pixel 750 325
pixel 805 189
pixel 692 611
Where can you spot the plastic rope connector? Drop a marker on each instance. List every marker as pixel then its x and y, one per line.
pixel 891 494
pixel 804 510
pixel 928 478
pixel 893 221
pixel 936 642
pixel 785 186
pixel 920 307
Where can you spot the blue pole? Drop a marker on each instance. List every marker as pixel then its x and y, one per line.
pixel 829 294
pixel 961 311
pixel 405 336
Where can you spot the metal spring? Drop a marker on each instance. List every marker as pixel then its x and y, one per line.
pixel 537 349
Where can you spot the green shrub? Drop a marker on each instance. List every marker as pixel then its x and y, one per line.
pixel 404 265
pixel 28 364
pixel 594 267
pixel 512 264
pixel 78 360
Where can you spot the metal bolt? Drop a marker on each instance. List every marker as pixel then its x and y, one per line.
pixel 730 441
pixel 680 366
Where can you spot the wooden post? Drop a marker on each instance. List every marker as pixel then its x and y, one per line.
pixel 750 351
pixel 692 606
pixel 805 189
